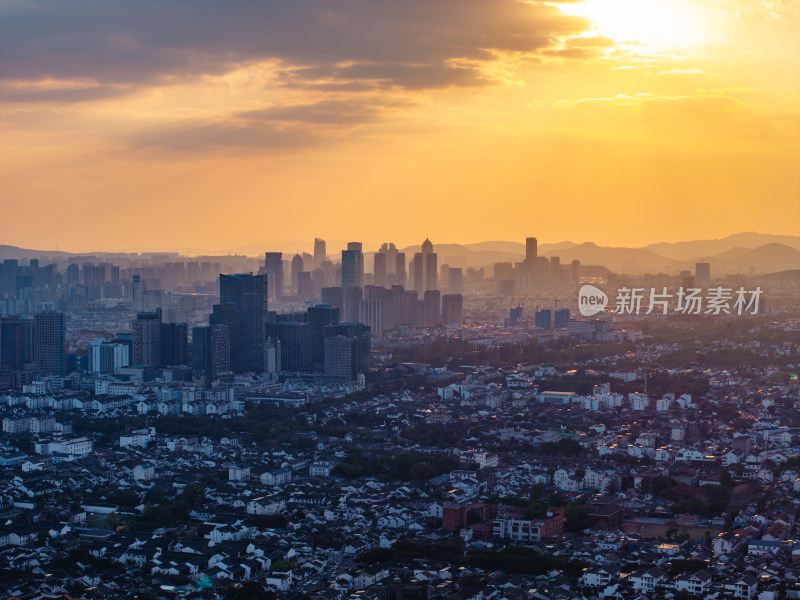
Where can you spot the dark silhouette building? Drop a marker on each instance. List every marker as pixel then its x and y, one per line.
pixel 243 308
pixel 50 343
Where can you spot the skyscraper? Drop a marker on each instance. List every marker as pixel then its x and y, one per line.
pixel 424 269
pixel 246 296
pixel 347 350
pixel 352 266
pixel 174 344
pixel 16 343
pixel 320 252
pixel 452 309
pixel 379 269
pixel 531 254
pixel 320 316
pixel 147 330
pixel 50 343
pixel 297 268
pixel 273 267
pixel 210 350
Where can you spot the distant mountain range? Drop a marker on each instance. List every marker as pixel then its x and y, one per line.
pixel 747 252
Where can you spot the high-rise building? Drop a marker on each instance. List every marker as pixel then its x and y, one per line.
pixel 147 330
pixel 455 280
pixel 107 358
pixel 244 309
pixel 542 319
pixel 210 350
pixel 400 275
pixel 452 309
pixel 379 269
pixel 273 267
pixel 515 314
pixel 297 268
pixel 531 254
pixel 320 252
pixel 16 343
pixel 50 343
pixel 352 266
pixel 347 350
pixel 305 285
pixel 320 316
pixel 424 269
pixel 352 301
pixel 555 270
pixel 174 344
pixel 561 318
pixel 332 296
pixel 575 271
pixel 702 273
pixel 295 339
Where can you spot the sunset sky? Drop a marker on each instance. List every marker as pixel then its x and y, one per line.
pixel 213 125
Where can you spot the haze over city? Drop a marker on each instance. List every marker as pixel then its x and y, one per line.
pixel 400 300
pixel 617 121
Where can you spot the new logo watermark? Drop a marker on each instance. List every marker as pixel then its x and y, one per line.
pixel 591 300
pixel 689 301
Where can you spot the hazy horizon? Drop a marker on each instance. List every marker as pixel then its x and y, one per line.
pixel 625 122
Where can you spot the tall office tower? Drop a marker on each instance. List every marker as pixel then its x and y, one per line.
pixel 138 290
pixel 246 295
pixel 352 300
pixel 455 280
pixel 210 350
pixel 575 271
pixel 433 308
pixel 515 314
pixel 320 252
pixel 352 266
pixel 332 296
pixel 372 312
pixel 452 309
pixel 531 254
pixel 347 350
pixel 444 272
pixel 174 344
pixel 305 285
pixel 542 319
pixel 147 329
pixel 379 269
pixel 400 275
pixel 702 273
pixel 424 269
pixel 542 271
pixel 16 343
pixel 531 249
pixel 297 268
pixel 410 299
pixel 295 343
pixel 328 273
pixel 8 277
pixel 107 358
pixel 555 270
pixel 273 267
pixel 561 318
pixel 320 316
pixel 389 251
pixel 50 343
pixel 398 312
pixel 73 274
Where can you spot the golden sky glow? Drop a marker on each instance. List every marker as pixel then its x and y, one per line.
pixel 209 125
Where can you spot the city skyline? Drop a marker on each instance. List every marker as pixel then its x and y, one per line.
pixel 608 120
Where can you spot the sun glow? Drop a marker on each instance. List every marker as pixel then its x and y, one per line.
pixel 666 23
